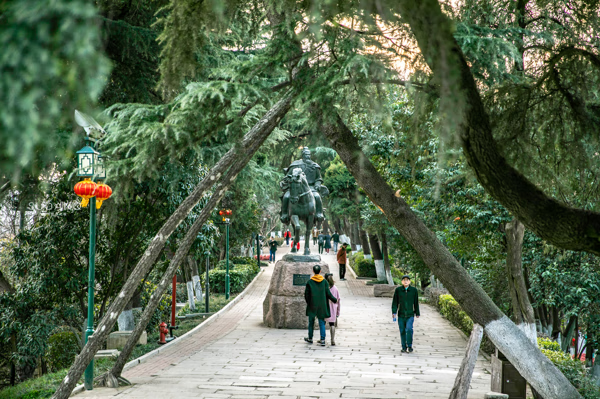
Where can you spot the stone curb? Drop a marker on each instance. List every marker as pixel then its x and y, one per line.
pixel 210 320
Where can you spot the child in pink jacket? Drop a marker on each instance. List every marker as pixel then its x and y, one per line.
pixel 334 308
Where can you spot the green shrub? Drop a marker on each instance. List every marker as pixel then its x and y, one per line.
pixel 62 349
pixel 362 267
pixel 453 312
pixel 163 310
pixel 35 388
pixel 180 292
pixel 548 344
pixel 573 369
pixel 239 278
pixel 242 260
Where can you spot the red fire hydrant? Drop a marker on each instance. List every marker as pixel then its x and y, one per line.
pixel 163 333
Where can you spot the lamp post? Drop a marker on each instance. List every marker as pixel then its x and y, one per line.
pixel 90 166
pixel 206 303
pixel 226 222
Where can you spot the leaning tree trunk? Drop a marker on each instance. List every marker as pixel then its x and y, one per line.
pixel 536 368
pixel 182 251
pixel 523 315
pixel 386 259
pixel 259 132
pixel 377 257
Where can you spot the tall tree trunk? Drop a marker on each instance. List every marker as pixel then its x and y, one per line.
pixel 196 278
pixel 364 241
pixel 232 161
pixel 555 322
pixel 508 338
pixel 377 257
pixel 523 315
pixel 386 259
pixel 189 283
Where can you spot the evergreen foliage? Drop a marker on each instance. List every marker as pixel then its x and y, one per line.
pixel 51 63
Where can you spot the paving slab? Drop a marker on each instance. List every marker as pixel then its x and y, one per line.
pixel 236 356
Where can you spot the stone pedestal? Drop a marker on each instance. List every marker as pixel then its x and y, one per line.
pixel 118 339
pixel 284 306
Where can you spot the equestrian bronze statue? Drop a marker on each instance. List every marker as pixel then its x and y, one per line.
pixel 301 199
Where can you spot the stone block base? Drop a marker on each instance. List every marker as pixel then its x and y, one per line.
pixel 118 339
pixel 384 290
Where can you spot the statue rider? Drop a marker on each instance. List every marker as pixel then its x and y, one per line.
pixel 312 170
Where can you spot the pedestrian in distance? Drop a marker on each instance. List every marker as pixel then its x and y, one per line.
pixel 321 240
pixel 327 245
pixel 316 295
pixel 315 235
pixel 334 308
pixel 287 236
pixel 335 237
pixel 272 249
pixel 342 259
pixel 405 305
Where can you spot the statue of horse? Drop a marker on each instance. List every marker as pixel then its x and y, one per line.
pixel 301 208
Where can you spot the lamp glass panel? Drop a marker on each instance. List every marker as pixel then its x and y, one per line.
pixel 99 169
pixel 86 165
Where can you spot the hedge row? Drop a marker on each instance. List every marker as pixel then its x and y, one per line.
pixel 573 369
pixel 362 267
pixel 240 275
pixel 452 311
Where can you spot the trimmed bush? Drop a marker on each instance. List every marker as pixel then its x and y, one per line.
pixel 573 369
pixel 548 344
pixel 239 278
pixel 242 260
pixel 63 347
pixel 362 267
pixel 452 311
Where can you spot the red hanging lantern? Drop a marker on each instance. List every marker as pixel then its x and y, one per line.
pixel 103 192
pixel 86 189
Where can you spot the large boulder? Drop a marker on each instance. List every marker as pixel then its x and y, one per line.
pixel 284 305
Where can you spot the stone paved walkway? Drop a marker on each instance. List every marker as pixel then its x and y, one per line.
pixel 237 357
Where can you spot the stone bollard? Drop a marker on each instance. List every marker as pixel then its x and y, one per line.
pixel 496 395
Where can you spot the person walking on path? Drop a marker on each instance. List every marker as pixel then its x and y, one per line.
pixel 287 235
pixel 327 245
pixel 316 295
pixel 315 235
pixel 321 240
pixel 334 308
pixel 272 249
pixel 406 305
pixel 342 259
pixel 336 240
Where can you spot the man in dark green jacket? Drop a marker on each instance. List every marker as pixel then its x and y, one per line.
pixel 316 295
pixel 406 305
